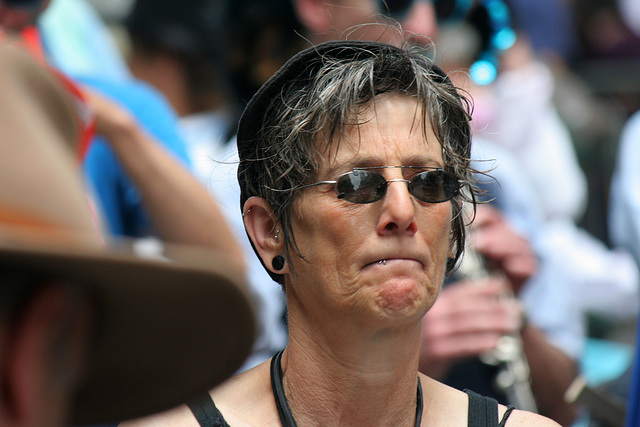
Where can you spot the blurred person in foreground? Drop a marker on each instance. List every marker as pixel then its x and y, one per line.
pixel 90 333
pixel 352 161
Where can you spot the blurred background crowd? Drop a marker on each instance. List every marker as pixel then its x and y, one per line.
pixel 593 47
pixel 555 85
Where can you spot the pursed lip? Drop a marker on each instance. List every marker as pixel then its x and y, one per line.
pixel 390 259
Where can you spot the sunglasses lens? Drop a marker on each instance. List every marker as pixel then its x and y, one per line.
pixel 360 186
pixel 434 186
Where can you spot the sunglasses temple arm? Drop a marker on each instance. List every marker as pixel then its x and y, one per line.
pixel 299 188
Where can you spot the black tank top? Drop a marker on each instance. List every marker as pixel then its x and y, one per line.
pixel 483 412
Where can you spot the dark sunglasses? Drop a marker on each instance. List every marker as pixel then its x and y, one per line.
pixel 363 185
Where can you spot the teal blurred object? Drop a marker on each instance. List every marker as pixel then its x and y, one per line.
pixel 604 360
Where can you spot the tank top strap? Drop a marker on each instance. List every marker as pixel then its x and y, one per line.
pixel 206 412
pixel 483 411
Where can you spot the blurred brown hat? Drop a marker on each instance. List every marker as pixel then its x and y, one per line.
pixel 167 330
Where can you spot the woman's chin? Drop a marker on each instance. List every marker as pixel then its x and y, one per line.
pixel 403 299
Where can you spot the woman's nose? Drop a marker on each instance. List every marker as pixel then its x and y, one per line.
pixel 421 19
pixel 398 213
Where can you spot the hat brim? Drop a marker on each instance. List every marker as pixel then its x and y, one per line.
pixel 166 331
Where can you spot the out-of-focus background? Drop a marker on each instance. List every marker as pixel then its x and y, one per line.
pixel 596 55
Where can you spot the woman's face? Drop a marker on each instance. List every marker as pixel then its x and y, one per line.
pixel 344 243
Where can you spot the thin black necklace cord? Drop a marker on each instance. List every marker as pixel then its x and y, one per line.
pixel 286 417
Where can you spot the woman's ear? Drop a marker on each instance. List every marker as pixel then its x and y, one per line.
pixel 265 232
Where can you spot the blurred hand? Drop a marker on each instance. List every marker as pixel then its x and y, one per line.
pixel 111 118
pixel 466 321
pixel 504 250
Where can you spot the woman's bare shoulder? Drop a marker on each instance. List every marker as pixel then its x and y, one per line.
pixel 448 406
pixel 242 387
pixel 523 418
pixel 247 399
pixel 443 405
